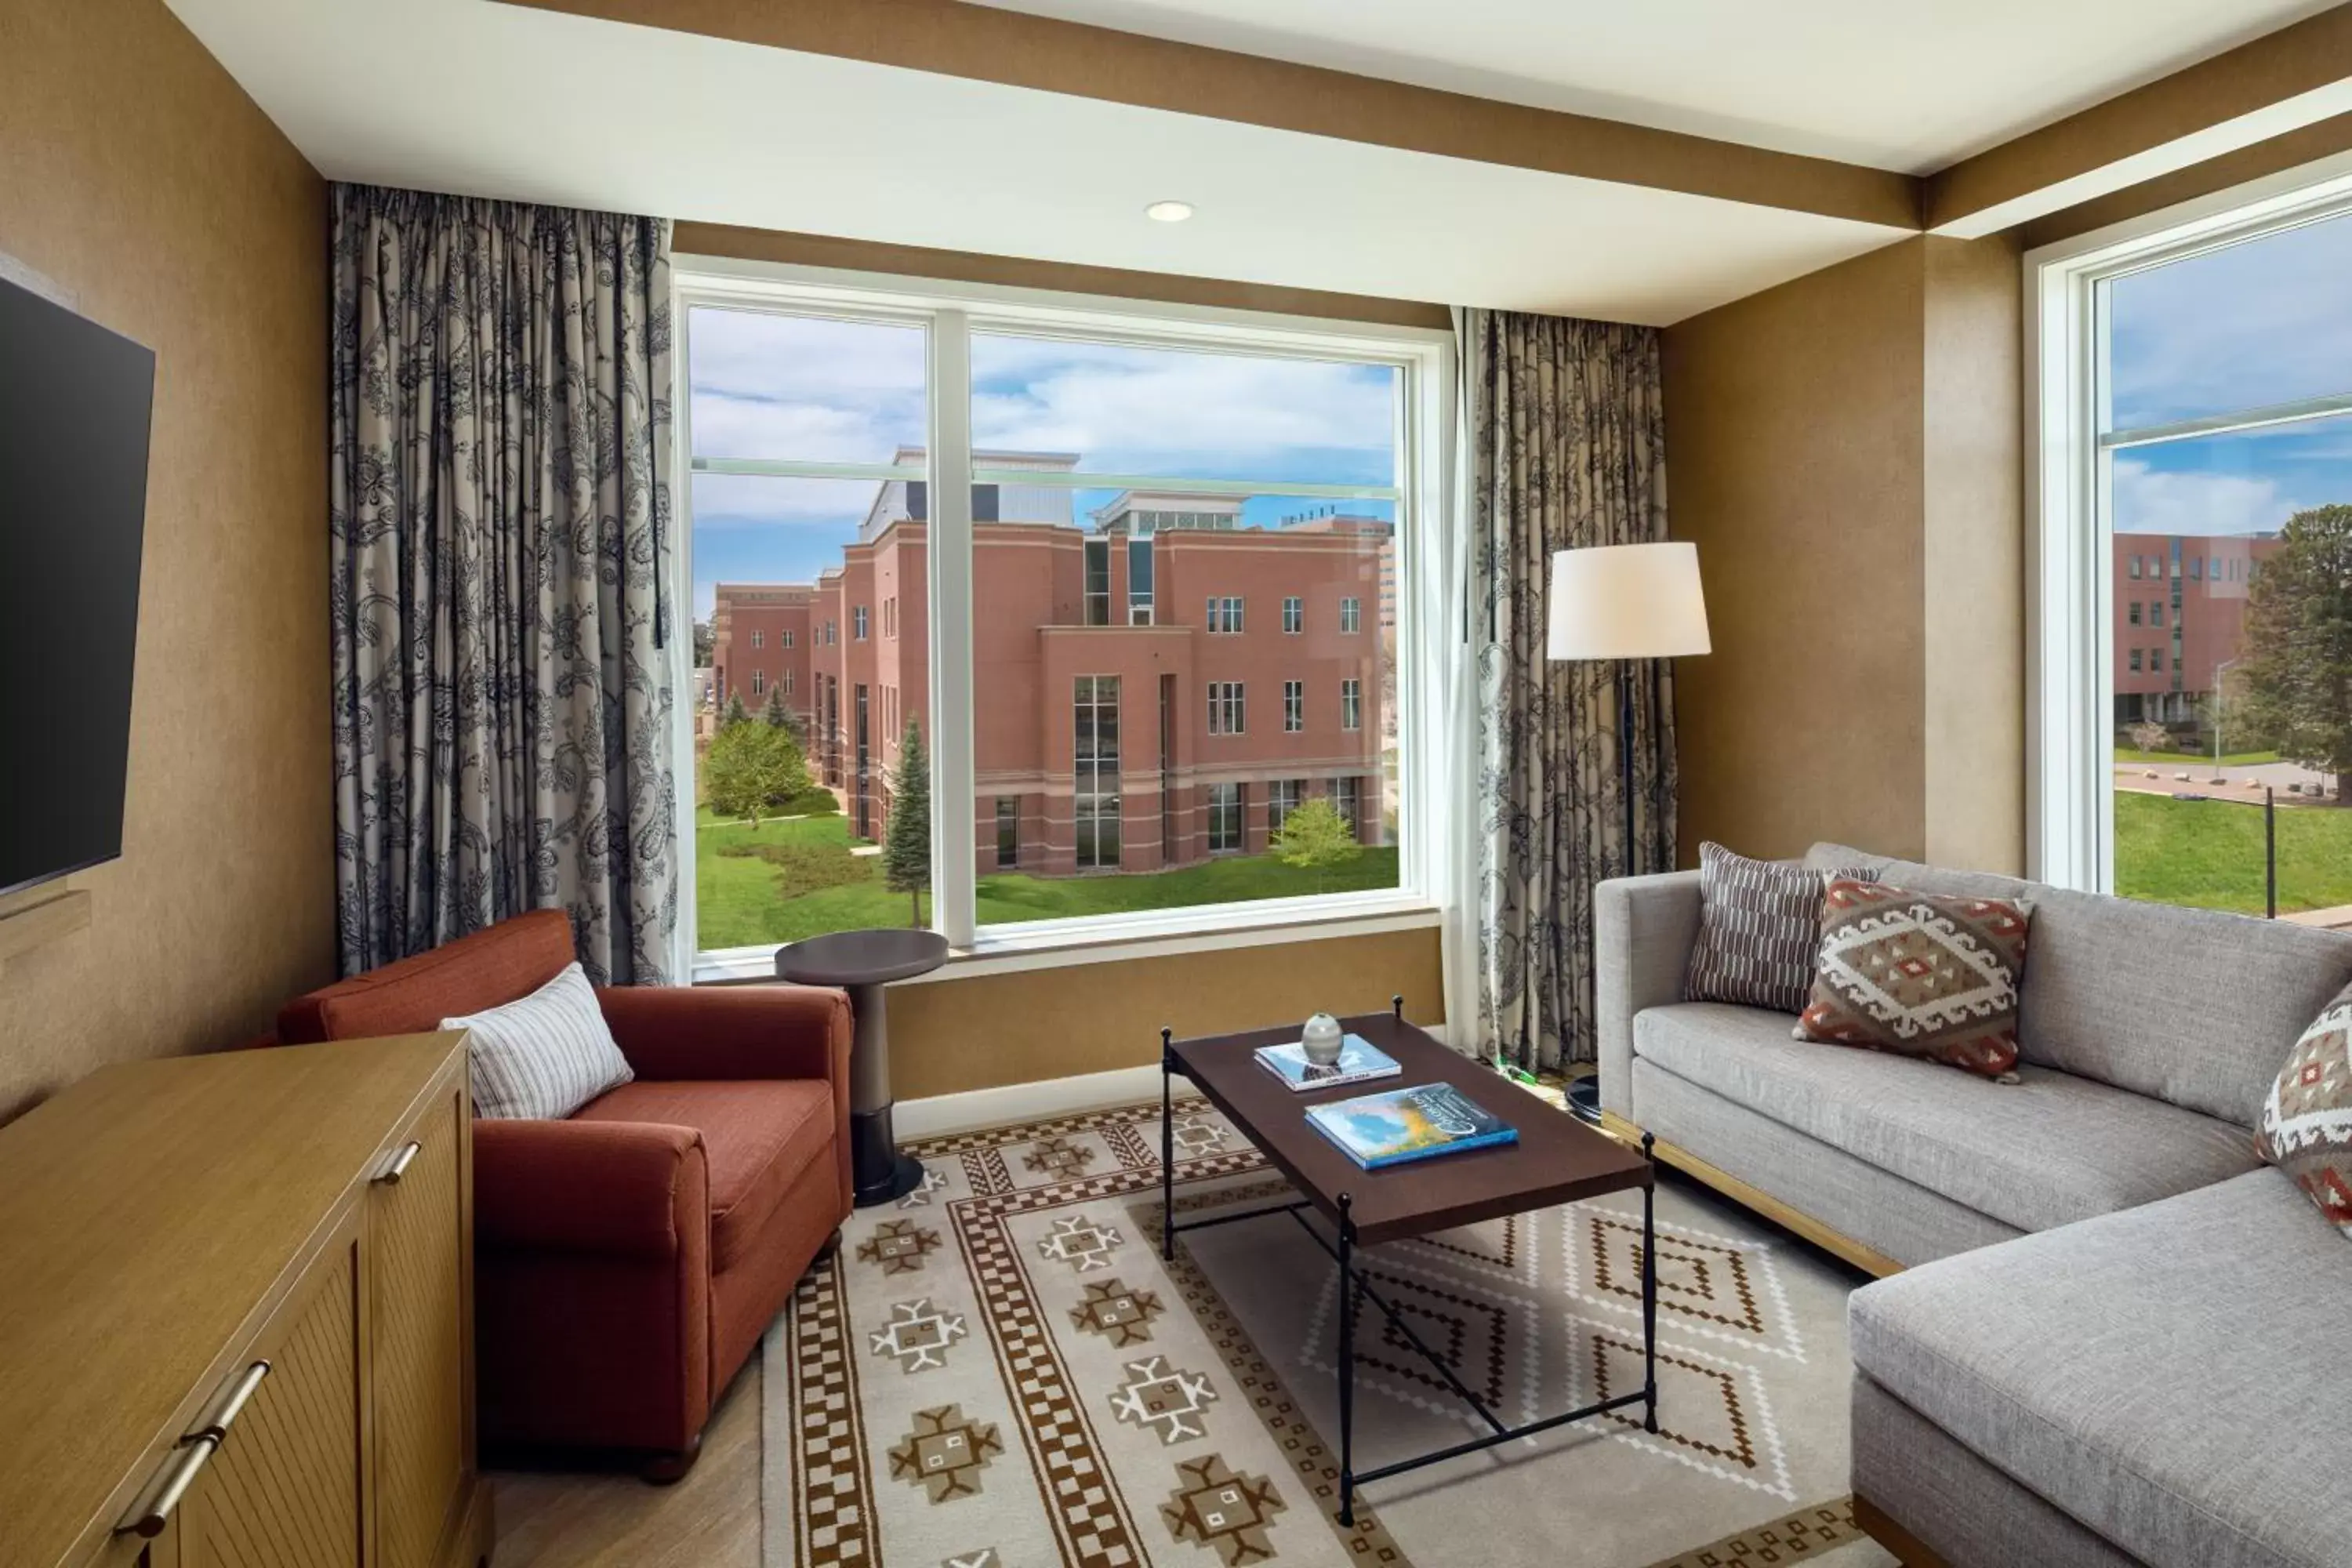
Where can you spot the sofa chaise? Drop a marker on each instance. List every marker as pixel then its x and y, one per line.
pixel 2109 1334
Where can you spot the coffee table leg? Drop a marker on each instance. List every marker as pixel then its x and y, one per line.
pixel 1347 1363
pixel 1167 1148
pixel 1649 1292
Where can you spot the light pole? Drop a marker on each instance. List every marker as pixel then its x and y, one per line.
pixel 2218 670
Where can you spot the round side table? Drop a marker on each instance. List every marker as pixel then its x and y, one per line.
pixel 863 962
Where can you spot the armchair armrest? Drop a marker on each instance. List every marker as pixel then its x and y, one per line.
pixel 1643 929
pixel 670 1033
pixel 621 1189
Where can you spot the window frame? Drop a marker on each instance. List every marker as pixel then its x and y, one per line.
pixel 2071 659
pixel 1421 494
pixel 1294 706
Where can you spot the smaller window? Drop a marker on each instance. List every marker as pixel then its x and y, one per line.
pixel 1351 704
pixel 2155 661
pixel 1347 800
pixel 2176 566
pixel 1294 706
pixel 788 680
pixel 1294 616
pixel 2197 569
pixel 1008 832
pixel 2135 612
pixel 2135 567
pixel 2136 658
pixel 759 639
pixel 788 637
pixel 1225 614
pixel 2156 613
pixel 857 622
pixel 1351 615
pixel 759 683
pixel 1225 712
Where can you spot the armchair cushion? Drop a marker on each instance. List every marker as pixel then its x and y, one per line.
pixel 759 1137
pixel 732 1032
pixel 610 1187
pixel 511 959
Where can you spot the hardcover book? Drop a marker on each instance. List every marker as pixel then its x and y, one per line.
pixel 1417 1123
pixel 1361 1061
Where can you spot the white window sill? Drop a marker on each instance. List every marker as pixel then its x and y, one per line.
pixel 1056 945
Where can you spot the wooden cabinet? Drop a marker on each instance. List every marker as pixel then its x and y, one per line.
pixel 235 1315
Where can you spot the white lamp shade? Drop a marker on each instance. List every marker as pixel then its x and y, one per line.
pixel 1627 601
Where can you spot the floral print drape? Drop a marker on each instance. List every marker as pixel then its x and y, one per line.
pixel 499 510
pixel 1567 432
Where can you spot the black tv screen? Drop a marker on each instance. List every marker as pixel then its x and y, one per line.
pixel 75 403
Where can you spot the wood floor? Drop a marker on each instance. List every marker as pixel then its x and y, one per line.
pixel 613 1519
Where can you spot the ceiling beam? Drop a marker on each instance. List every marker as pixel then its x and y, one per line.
pixel 2266 88
pixel 987 43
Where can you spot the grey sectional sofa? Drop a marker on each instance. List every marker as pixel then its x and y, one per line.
pixel 2109 1335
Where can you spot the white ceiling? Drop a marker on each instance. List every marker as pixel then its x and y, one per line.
pixel 492 99
pixel 1909 85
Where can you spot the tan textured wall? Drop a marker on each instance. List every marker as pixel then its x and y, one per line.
pixel 135 174
pixel 1974 592
pixel 991 1030
pixel 1845 451
pixel 1793 450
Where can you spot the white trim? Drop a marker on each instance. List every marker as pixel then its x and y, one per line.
pixel 954 892
pixel 2070 801
pixel 1008 1105
pixel 1096 939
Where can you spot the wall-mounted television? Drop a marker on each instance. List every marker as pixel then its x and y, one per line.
pixel 75 401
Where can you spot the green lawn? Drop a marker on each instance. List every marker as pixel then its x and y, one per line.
pixel 744 901
pixel 2190 758
pixel 2209 854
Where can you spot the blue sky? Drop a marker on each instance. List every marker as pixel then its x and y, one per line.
pixel 2266 322
pixel 784 387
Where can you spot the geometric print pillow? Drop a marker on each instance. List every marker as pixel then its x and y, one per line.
pixel 1919 974
pixel 2307 1123
pixel 1759 928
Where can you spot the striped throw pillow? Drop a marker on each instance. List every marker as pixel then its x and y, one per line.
pixel 1759 927
pixel 545 1056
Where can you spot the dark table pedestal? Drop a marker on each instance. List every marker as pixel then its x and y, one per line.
pixel 864 963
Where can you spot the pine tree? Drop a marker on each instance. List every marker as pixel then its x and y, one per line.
pixel 736 713
pixel 776 716
pixel 906 843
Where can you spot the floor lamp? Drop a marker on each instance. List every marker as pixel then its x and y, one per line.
pixel 1624 602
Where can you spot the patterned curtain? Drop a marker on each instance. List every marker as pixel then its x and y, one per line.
pixel 499 498
pixel 1567 438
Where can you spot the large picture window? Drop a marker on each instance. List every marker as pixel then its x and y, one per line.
pixel 1112 479
pixel 2194 673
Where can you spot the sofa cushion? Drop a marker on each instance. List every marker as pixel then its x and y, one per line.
pixel 1919 974
pixel 2045 1151
pixel 1759 927
pixel 2194 1006
pixel 759 1136
pixel 2173 1376
pixel 543 1055
pixel 2306 1126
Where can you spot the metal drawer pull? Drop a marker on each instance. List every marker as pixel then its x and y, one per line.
pixel 197 1445
pixel 149 1516
pixel 214 1421
pixel 391 1175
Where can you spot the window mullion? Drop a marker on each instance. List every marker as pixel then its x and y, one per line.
pixel 954 863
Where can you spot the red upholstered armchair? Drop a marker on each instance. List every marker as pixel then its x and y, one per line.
pixel 627 1260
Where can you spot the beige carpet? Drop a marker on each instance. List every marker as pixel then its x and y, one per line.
pixel 1001 1373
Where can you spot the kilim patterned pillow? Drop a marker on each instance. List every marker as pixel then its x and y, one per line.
pixel 2306 1126
pixel 1759 925
pixel 1918 974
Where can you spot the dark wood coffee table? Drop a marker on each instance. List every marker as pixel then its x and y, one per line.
pixel 1557 1160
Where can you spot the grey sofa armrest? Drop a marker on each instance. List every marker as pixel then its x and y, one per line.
pixel 1643 932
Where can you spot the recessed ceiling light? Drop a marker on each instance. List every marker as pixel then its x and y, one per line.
pixel 1169 212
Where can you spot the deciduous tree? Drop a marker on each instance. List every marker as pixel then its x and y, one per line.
pixel 753 769
pixel 2297 671
pixel 1315 838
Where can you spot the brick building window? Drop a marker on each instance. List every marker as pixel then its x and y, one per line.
pixel 1282 798
pixel 1294 616
pixel 1225 805
pixel 1225 614
pixel 1351 704
pixel 1351 615
pixel 1226 710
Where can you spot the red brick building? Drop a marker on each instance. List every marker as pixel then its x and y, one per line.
pixel 1149 692
pixel 2179 616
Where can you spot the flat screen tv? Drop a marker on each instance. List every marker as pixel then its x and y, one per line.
pixel 75 404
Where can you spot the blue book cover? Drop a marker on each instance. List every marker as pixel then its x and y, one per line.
pixel 1416 1123
pixel 1361 1061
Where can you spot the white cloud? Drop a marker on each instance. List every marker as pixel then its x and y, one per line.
pixel 2151 500
pixel 734 500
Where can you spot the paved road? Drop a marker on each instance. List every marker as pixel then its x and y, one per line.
pixel 2243 782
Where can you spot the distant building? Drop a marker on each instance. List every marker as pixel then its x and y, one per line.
pixel 1149 692
pixel 2179 615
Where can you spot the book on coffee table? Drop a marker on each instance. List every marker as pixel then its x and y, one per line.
pixel 1361 1061
pixel 1402 1124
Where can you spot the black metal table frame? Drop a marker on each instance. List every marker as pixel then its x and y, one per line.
pixel 1344 1252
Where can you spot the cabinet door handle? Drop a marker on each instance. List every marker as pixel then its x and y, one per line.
pixel 398 1167
pixel 152 1511
pixel 216 1417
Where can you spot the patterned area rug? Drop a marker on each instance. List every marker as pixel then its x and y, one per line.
pixel 1000 1372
